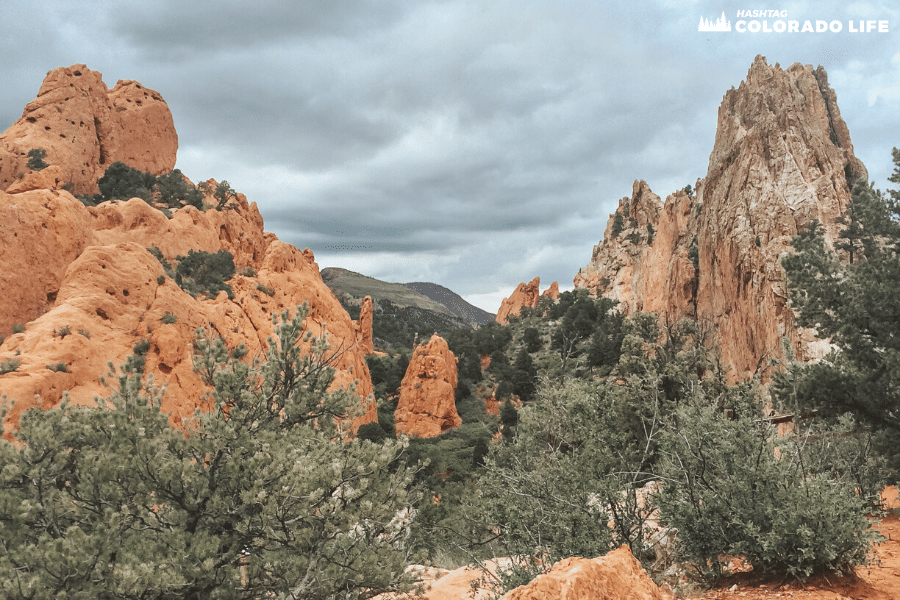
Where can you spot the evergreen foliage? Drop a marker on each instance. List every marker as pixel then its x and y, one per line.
pixel 549 489
pixel 36 160
pixel 729 492
pixel 618 225
pixel 121 182
pixel 261 499
pixel 202 272
pixel 855 303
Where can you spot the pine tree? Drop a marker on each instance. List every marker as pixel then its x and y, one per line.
pixel 857 305
pixel 257 497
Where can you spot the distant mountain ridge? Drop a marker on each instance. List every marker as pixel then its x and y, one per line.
pixel 453 301
pixel 428 296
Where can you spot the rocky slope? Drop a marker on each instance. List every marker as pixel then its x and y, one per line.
pixel 427 404
pixel 782 157
pixel 83 289
pixel 84 127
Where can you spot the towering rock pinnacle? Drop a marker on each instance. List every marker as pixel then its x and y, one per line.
pixel 366 344
pixel 84 127
pixel 781 158
pixel 427 405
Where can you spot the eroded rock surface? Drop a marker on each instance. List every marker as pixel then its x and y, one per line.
pixel 782 157
pixel 524 296
pixel 84 127
pixel 83 288
pixel 427 405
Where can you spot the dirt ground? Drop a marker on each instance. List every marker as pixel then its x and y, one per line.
pixel 880 580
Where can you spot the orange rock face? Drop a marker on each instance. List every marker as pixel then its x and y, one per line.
pixel 427 405
pixel 366 345
pixel 552 292
pixel 781 158
pixel 82 285
pixel 84 127
pixel 616 576
pixel 525 295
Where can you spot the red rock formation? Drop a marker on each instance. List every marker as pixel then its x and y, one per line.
pixel 616 576
pixel 525 295
pixel 86 290
pixel 781 158
pixel 366 345
pixel 427 405
pixel 552 292
pixel 84 127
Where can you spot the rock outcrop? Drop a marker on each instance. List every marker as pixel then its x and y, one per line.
pixel 552 292
pixel 364 326
pixel 84 127
pixel 524 296
pixel 782 157
pixel 616 576
pixel 81 285
pixel 427 405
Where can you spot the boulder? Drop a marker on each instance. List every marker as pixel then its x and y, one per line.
pixel 616 576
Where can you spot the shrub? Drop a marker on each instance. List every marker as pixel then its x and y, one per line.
pixel 9 365
pixel 175 191
pixel 93 503
pixel 161 280
pixel 58 368
pixel 265 289
pixel 167 267
pixel 123 182
pixel 85 333
pixel 63 331
pixel 618 225
pixel 201 272
pixel 728 494
pixel 36 158
pixel 136 362
pixel 547 491
pixel 18 328
pixel 169 318
pixel 248 272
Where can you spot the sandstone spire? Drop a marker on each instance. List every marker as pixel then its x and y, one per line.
pixel 782 157
pixel 427 405
pixel 525 295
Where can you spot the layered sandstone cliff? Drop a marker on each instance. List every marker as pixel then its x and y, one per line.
pixel 83 288
pixel 781 158
pixel 427 405
pixel 84 127
pixel 526 295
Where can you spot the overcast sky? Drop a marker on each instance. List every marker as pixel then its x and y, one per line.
pixel 470 143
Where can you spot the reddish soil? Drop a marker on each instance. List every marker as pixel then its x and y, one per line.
pixel 880 580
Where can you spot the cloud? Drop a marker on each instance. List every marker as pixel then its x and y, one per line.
pixel 474 144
